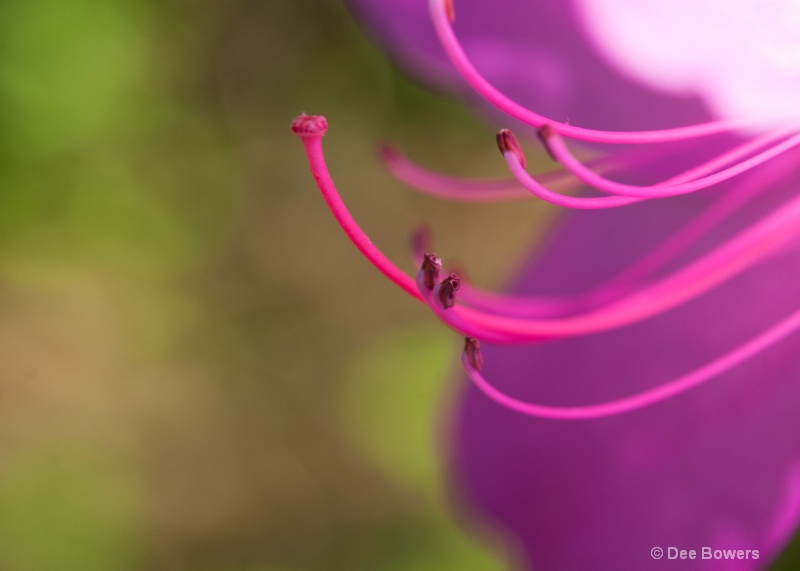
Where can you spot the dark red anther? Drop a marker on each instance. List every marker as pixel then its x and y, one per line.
pixel 310 125
pixel 544 133
pixel 506 141
pixel 447 290
pixel 431 266
pixel 472 347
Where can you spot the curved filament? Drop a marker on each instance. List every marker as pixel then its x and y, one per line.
pixel 444 30
pixel 705 373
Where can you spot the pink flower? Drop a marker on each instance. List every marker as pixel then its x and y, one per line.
pixel 638 389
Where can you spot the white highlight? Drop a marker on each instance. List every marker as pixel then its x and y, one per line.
pixel 741 56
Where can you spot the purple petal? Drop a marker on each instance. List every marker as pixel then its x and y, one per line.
pixel 717 467
pixel 536 52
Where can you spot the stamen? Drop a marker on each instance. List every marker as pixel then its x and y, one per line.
pixel 623 300
pixel 716 267
pixel 702 374
pixel 517 169
pixel 526 306
pixel 431 266
pixel 633 276
pixel 760 239
pixel 477 190
pixel 472 349
pixel 454 50
pixel 727 158
pixel 751 245
pixel 446 290
pixel 456 323
pixel 465 189
pixel 507 143
pixel 728 204
pixel 558 149
pixel 310 130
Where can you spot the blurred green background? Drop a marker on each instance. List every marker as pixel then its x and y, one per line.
pixel 198 370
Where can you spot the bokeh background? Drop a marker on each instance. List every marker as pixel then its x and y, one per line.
pixel 197 370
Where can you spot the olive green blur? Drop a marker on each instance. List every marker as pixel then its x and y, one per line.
pixel 198 370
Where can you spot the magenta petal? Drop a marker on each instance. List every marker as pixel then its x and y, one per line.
pixel 715 468
pixel 718 467
pixel 535 52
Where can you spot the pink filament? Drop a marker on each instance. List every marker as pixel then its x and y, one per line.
pixel 455 322
pixel 662 392
pixel 577 202
pixel 561 153
pixel 717 266
pixel 455 188
pixel 625 281
pixel 630 277
pixel 461 62
pixel 621 301
pixel 475 190
pixel 689 181
pixel 729 203
pixel 760 239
